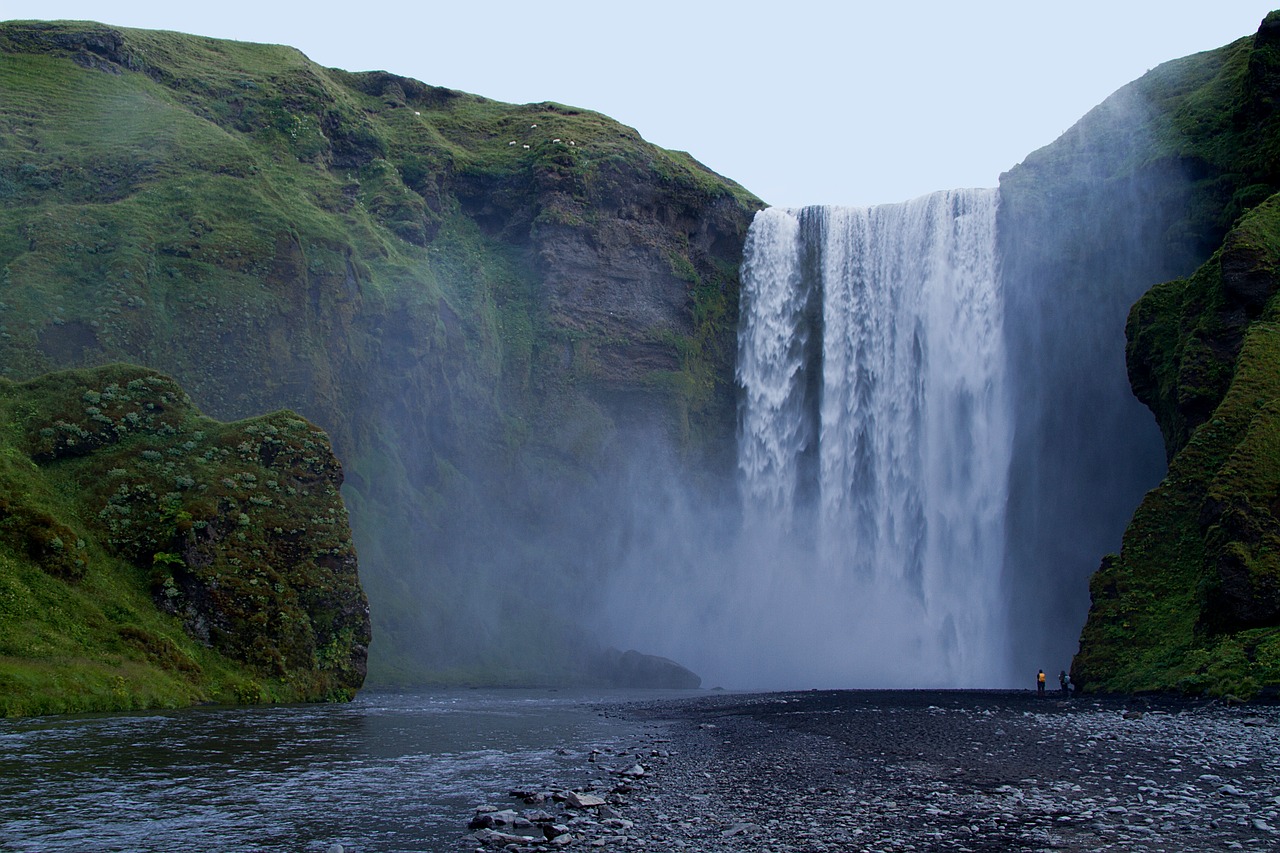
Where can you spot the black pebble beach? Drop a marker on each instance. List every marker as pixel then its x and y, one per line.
pixel 926 770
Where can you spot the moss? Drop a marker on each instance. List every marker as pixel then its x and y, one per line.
pixel 1192 602
pixel 365 249
pixel 126 578
pixel 1195 591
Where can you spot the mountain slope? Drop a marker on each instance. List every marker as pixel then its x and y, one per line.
pixel 481 303
pixel 1192 601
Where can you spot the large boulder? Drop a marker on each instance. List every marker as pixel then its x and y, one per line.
pixel 636 669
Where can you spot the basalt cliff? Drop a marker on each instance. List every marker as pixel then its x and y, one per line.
pixel 505 317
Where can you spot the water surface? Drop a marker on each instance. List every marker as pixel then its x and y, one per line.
pixel 387 772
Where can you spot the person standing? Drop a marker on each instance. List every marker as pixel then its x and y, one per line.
pixel 1040 682
pixel 1063 681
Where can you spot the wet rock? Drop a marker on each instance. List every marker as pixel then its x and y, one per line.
pixel 481 821
pixel 493 836
pixel 827 772
pixel 636 669
pixel 580 800
pixel 739 829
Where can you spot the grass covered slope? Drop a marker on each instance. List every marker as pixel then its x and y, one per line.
pixel 180 182
pixel 1192 601
pixel 1142 190
pixel 152 557
pixel 471 298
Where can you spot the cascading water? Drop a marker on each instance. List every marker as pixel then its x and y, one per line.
pixel 876 424
pixel 776 367
pixel 937 440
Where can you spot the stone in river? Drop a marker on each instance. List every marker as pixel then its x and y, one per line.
pixel 582 801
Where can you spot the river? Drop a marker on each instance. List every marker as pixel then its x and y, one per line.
pixel 387 772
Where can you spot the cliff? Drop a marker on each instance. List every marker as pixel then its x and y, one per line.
pixel 1192 600
pixel 518 322
pixel 150 556
pixel 482 304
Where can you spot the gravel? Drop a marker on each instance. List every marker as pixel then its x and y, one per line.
pixel 924 770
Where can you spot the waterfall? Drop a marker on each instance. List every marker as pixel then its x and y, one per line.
pixel 776 365
pixel 875 428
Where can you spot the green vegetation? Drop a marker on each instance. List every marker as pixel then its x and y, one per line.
pixel 415 269
pixel 152 557
pixel 1192 602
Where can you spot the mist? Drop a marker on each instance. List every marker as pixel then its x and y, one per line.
pixel 937 479
pixel 936 446
pixel 872 452
pixel 1086 227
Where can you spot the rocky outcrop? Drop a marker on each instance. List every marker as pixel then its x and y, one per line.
pixel 122 493
pixel 636 669
pixel 1183 345
pixel 1086 225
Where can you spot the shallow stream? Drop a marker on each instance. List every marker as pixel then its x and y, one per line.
pixel 387 772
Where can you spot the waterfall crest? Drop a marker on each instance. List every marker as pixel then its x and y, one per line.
pixel 876 426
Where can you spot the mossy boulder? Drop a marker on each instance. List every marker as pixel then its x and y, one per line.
pixel 153 556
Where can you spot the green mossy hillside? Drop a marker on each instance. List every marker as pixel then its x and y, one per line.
pixel 1192 601
pixel 153 557
pixel 1144 189
pixel 473 299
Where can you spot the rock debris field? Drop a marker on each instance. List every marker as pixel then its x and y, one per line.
pixel 909 770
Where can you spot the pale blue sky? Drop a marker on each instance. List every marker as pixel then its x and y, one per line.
pixel 802 102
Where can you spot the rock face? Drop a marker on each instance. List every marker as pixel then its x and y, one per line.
pixel 636 669
pixel 484 305
pixel 1085 227
pixel 196 560
pixel 489 308
pixel 1192 601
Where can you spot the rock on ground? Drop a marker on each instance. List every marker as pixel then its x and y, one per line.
pixel 916 770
